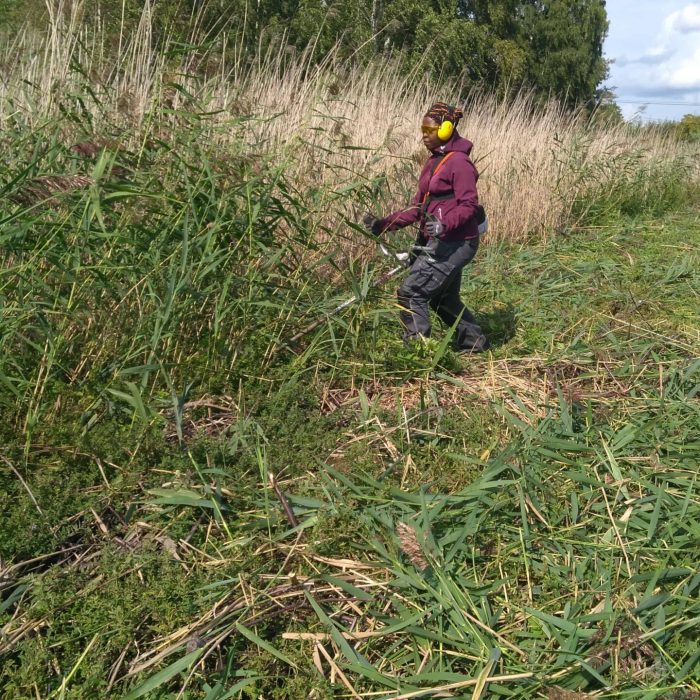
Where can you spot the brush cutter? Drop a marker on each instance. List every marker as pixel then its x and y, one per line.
pixel 404 260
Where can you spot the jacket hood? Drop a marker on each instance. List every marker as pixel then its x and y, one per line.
pixel 456 143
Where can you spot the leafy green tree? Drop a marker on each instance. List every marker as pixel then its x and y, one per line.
pixel 689 128
pixel 503 17
pixel 604 110
pixel 401 19
pixel 456 47
pixel 327 23
pixel 564 45
pixel 448 42
pixel 551 46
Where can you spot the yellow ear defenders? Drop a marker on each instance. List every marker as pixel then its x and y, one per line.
pixel 447 128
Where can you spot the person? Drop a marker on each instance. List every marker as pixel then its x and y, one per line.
pixel 446 208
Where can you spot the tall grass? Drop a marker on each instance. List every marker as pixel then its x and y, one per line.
pixel 542 167
pixel 169 218
pixel 170 212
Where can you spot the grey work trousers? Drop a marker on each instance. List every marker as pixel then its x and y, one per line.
pixel 434 281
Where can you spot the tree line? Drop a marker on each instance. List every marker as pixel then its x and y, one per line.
pixel 552 47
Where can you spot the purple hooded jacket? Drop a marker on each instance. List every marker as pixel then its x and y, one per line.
pixel 457 176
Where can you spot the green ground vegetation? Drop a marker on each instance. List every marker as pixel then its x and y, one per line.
pixel 523 524
pixel 689 127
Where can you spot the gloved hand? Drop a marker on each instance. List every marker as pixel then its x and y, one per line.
pixel 372 224
pixel 433 228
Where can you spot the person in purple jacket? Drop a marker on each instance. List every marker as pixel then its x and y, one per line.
pixel 446 208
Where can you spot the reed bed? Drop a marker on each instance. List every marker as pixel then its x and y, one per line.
pixel 196 506
pixel 543 169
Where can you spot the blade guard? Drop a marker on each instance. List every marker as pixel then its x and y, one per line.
pixel 401 257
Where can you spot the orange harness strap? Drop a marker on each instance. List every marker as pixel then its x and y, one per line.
pixel 426 196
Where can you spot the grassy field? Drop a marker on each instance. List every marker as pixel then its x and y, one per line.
pixel 530 516
pixel 195 507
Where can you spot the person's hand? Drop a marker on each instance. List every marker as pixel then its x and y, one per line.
pixel 433 228
pixel 372 224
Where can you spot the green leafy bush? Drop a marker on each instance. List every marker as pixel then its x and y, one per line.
pixel 689 128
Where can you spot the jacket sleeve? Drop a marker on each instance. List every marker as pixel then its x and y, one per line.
pixel 412 214
pixel 464 178
pixel 402 217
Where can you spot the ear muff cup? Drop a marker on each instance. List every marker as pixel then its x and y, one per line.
pixel 447 128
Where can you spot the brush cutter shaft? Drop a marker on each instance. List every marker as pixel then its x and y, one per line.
pixel 348 302
pixel 403 258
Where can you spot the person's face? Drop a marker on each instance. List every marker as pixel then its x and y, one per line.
pixel 429 128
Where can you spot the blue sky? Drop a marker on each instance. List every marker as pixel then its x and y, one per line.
pixel 655 45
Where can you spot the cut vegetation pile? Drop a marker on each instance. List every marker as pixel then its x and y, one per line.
pixel 194 508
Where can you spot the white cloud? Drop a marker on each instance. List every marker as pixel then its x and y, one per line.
pixel 655 56
pixel 665 46
pixel 655 47
pixel 684 21
pixel 685 73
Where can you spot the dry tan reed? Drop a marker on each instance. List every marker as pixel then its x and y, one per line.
pixel 535 163
pixel 408 541
pixel 43 189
